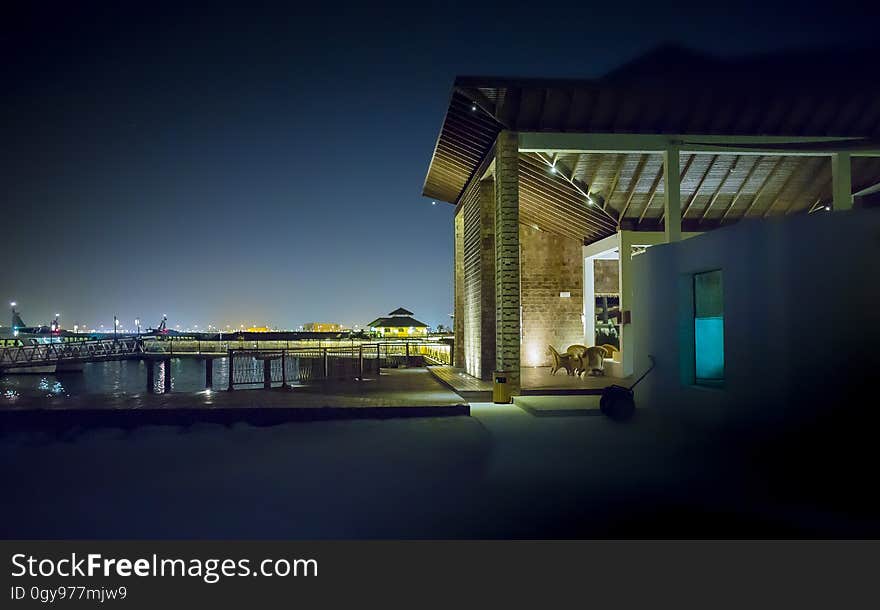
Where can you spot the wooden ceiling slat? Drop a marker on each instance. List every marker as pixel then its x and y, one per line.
pixel 696 192
pixel 764 185
pixel 651 193
pixel 614 181
pixel 741 188
pixel 633 185
pixel 820 170
pixel 714 197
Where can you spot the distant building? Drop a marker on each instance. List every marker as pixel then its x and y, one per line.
pixel 323 327
pixel 259 329
pixel 399 323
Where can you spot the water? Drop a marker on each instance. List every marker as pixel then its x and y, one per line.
pixel 118 379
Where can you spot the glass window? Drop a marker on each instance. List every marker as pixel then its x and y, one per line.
pixel 708 328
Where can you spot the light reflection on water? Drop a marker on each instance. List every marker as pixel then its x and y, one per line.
pixel 120 379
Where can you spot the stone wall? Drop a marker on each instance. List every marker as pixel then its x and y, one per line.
pixel 458 357
pixel 507 258
pixel 550 265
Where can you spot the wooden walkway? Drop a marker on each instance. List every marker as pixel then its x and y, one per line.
pixel 397 393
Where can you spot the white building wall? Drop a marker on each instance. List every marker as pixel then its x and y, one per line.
pixel 801 316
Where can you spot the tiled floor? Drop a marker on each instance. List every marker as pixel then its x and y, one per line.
pixel 534 381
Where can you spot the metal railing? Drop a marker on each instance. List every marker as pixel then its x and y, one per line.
pixel 80 351
pixel 269 367
pixel 249 367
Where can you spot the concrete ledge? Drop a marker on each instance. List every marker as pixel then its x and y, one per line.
pixel 561 392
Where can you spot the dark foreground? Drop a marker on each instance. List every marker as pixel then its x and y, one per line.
pixel 501 473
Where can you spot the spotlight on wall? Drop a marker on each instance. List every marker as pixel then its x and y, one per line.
pixel 473 107
pixel 552 169
pixel 827 208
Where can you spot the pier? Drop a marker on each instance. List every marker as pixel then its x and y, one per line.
pixel 265 366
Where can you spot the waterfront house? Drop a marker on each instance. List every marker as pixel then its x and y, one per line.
pixel 399 324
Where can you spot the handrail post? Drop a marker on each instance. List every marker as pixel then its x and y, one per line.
pixel 267 373
pixel 360 362
pixel 231 368
pixel 167 371
pixel 283 368
pixel 326 371
pixel 209 373
pixel 151 376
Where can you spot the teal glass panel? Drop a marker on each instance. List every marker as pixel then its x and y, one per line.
pixel 708 328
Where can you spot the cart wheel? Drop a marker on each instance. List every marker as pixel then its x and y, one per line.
pixel 617 403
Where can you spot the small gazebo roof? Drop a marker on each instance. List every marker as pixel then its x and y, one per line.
pixel 400 311
pixel 396 322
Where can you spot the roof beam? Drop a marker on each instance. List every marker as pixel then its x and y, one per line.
pixel 806 168
pixel 637 175
pixel 720 186
pixel 819 176
pixel 614 182
pixel 651 193
pixel 696 192
pixel 532 141
pixel 764 185
pixel 681 176
pixel 479 99
pixel 740 190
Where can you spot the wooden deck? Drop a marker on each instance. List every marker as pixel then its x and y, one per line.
pixel 468 387
pixel 535 381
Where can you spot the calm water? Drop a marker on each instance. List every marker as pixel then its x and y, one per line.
pixel 125 378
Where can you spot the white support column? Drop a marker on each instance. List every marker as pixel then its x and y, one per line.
pixel 841 172
pixel 671 196
pixel 589 302
pixel 627 345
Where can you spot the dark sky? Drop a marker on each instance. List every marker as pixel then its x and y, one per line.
pixel 264 165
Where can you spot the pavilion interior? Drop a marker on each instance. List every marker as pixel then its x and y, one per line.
pixel 751 141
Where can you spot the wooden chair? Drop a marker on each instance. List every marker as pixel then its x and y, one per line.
pixel 561 361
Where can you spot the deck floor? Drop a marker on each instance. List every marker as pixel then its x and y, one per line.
pixel 397 393
pixel 536 381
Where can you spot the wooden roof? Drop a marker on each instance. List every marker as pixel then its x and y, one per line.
pixel 668 92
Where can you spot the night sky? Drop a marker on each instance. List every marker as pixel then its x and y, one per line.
pixel 246 165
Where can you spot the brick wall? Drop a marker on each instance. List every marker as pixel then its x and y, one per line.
pixel 458 356
pixel 550 265
pixel 507 257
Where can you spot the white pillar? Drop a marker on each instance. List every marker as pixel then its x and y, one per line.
pixel 671 194
pixel 589 302
pixel 625 270
pixel 841 172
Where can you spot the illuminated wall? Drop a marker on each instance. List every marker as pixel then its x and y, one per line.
pixel 475 279
pixel 788 325
pixel 551 293
pixel 402 331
